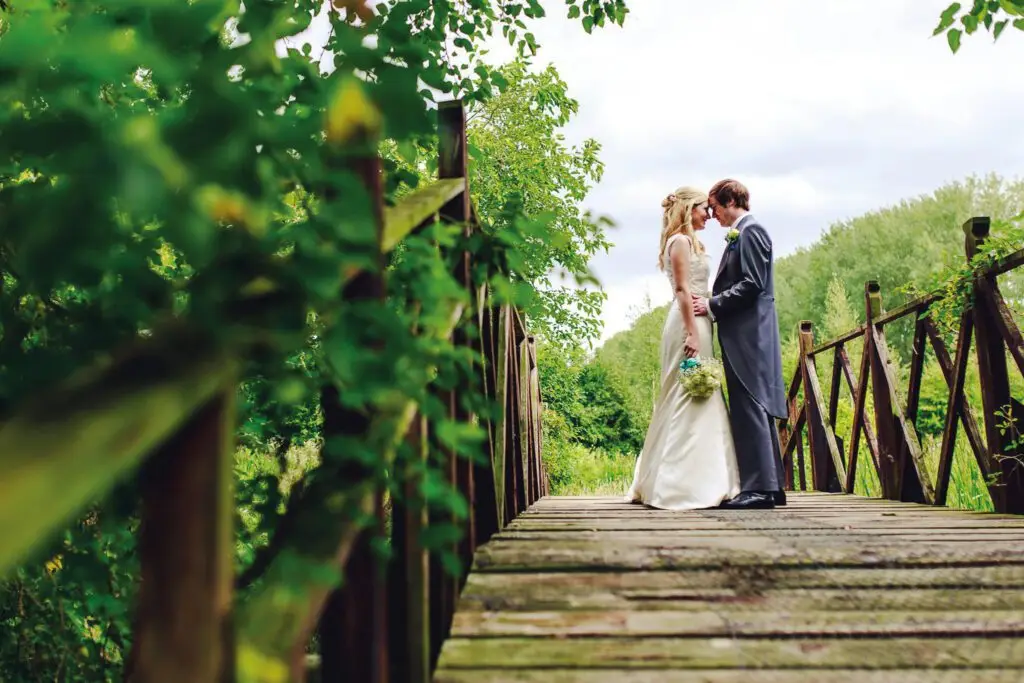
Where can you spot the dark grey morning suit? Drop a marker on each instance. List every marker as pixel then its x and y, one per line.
pixel 743 306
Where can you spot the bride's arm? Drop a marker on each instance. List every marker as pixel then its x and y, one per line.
pixel 679 258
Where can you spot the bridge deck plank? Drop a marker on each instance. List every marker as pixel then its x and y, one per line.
pixel 830 587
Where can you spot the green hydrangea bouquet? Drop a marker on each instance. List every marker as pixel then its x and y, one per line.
pixel 700 377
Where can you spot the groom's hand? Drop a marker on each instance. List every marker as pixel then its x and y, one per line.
pixel 700 305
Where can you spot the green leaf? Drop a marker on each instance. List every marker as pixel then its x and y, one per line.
pixel 588 24
pixel 574 12
pixel 1012 8
pixel 953 37
pixel 947 18
pixel 999 28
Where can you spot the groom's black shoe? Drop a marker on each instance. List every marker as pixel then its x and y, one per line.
pixel 750 500
pixel 779 498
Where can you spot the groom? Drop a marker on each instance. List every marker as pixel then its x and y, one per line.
pixel 743 306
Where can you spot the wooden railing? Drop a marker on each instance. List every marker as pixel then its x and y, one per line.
pixel 890 432
pixel 164 411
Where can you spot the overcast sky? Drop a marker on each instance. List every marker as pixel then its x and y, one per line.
pixel 823 109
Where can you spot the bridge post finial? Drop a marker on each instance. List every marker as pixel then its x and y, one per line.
pixel 976 231
pixel 873 300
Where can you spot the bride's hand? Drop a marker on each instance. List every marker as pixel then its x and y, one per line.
pixel 691 347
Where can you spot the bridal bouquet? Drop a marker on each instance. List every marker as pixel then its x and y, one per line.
pixel 700 377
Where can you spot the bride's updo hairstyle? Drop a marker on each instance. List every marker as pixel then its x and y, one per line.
pixel 677 218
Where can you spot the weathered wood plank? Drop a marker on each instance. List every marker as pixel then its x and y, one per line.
pixel 837 341
pixel 789 623
pixel 769 600
pixel 576 675
pixel 878 524
pixel 725 653
pixel 724 538
pixel 749 580
pixel 502 555
pixel 417 207
pixel 829 583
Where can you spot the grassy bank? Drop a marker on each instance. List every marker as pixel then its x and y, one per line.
pixel 575 470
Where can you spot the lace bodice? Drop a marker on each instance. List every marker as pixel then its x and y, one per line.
pixel 700 269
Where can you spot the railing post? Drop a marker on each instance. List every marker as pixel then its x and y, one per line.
pixel 903 470
pixel 790 433
pixel 353 625
pixel 519 454
pixel 452 162
pixel 885 424
pixel 525 424
pixel 494 372
pixel 183 622
pixel 535 423
pixel 409 588
pixel 505 429
pixel 486 513
pixel 1004 416
pixel 824 450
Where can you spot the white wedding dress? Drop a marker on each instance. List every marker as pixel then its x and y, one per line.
pixel 688 461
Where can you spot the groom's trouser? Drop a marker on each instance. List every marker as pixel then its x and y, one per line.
pixel 755 436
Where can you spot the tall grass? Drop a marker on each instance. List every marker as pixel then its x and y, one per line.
pixel 967 490
pixel 255 468
pixel 574 470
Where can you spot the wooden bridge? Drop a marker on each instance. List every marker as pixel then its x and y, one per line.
pixel 830 588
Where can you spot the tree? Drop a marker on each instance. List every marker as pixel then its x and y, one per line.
pixel 839 314
pixel 522 162
pixel 632 359
pixel 876 245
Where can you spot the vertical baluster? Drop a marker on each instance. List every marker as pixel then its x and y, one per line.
pixel 826 464
pixel 486 477
pixel 505 429
pixel 999 405
pixel 885 425
pixel 186 545
pixel 353 625
pixel 409 588
pixel 453 162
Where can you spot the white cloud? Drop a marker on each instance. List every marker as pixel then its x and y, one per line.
pixel 825 110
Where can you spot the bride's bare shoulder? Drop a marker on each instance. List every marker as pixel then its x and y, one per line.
pixel 676 238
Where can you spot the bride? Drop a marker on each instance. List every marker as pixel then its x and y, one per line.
pixel 688 460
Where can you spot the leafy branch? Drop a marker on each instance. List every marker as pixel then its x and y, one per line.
pixel 994 16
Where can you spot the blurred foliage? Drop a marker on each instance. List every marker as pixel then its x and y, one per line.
pixel 175 163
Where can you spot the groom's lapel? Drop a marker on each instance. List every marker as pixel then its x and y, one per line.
pixel 730 247
pixel 721 263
